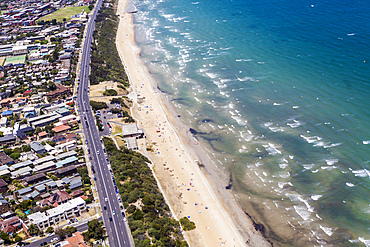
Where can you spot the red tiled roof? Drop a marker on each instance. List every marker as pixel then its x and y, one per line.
pixel 42 133
pixel 77 240
pixel 61 128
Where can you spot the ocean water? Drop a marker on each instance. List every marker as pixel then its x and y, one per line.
pixel 278 92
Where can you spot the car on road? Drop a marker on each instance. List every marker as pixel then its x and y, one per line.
pixel 110 218
pixel 98 152
pixel 105 207
pixel 106 199
pixel 124 219
pixel 54 240
pixel 114 213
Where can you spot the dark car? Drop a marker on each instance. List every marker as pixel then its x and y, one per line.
pixel 110 218
pixel 105 207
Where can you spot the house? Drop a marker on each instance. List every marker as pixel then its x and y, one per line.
pixel 65 155
pixel 22 192
pixel 43 120
pixel 75 184
pixel 70 209
pixel 20 165
pixel 63 111
pixel 4 205
pixel 55 199
pixel 7 140
pixel 77 193
pixel 65 171
pixel 37 147
pixel 11 225
pixel 25 171
pixel 35 178
pixel 77 240
pixel 68 161
pixel 43 160
pixel 61 129
pixel 59 92
pixel 3 186
pixel 43 134
pixel 58 138
pixel 67 146
pixel 45 166
pixel 5 159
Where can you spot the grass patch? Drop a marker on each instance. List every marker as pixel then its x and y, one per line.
pixel 66 12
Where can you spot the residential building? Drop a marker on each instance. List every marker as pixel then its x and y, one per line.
pixel 59 92
pixel 5 159
pixel 4 205
pixel 55 199
pixel 11 225
pixel 35 178
pixel 37 147
pixel 3 186
pixel 70 209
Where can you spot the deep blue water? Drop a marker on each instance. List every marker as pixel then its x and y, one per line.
pixel 280 92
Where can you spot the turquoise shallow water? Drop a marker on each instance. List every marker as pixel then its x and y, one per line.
pixel 279 93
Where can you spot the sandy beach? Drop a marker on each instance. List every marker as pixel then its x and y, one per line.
pixel 186 185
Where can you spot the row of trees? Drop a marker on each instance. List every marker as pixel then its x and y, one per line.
pixel 106 64
pixel 152 225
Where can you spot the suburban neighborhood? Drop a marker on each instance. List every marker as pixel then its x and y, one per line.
pixel 46 180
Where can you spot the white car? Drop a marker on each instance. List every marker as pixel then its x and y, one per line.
pixel 106 199
pixel 54 240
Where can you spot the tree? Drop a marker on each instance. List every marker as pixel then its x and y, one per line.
pixel 20 213
pixel 33 230
pixel 26 148
pixel 186 224
pixel 15 156
pixel 1 134
pixel 38 129
pixel 61 233
pixel 95 229
pixel 70 230
pixel 50 229
pixel 18 239
pixel 5 237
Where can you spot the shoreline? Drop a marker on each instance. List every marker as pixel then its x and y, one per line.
pixel 215 226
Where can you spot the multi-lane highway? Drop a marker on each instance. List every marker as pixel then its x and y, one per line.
pixel 116 225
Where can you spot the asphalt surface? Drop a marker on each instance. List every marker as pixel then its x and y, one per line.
pixel 117 229
pixel 81 228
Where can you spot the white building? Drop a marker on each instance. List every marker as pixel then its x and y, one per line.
pixel 60 213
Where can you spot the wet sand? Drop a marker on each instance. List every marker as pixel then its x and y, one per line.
pixel 178 159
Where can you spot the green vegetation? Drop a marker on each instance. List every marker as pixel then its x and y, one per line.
pixel 98 123
pixel 152 225
pixel 105 63
pixel 110 92
pixel 33 230
pixel 68 231
pixel 97 105
pixel 66 13
pixel 120 101
pixel 186 224
pixel 94 230
pixel 84 175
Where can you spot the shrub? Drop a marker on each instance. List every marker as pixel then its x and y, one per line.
pixel 186 224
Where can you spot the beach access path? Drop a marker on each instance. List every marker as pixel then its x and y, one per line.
pixel 186 189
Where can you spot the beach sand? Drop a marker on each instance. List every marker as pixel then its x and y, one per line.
pixel 186 185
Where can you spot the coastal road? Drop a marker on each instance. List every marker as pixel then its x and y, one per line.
pixel 116 227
